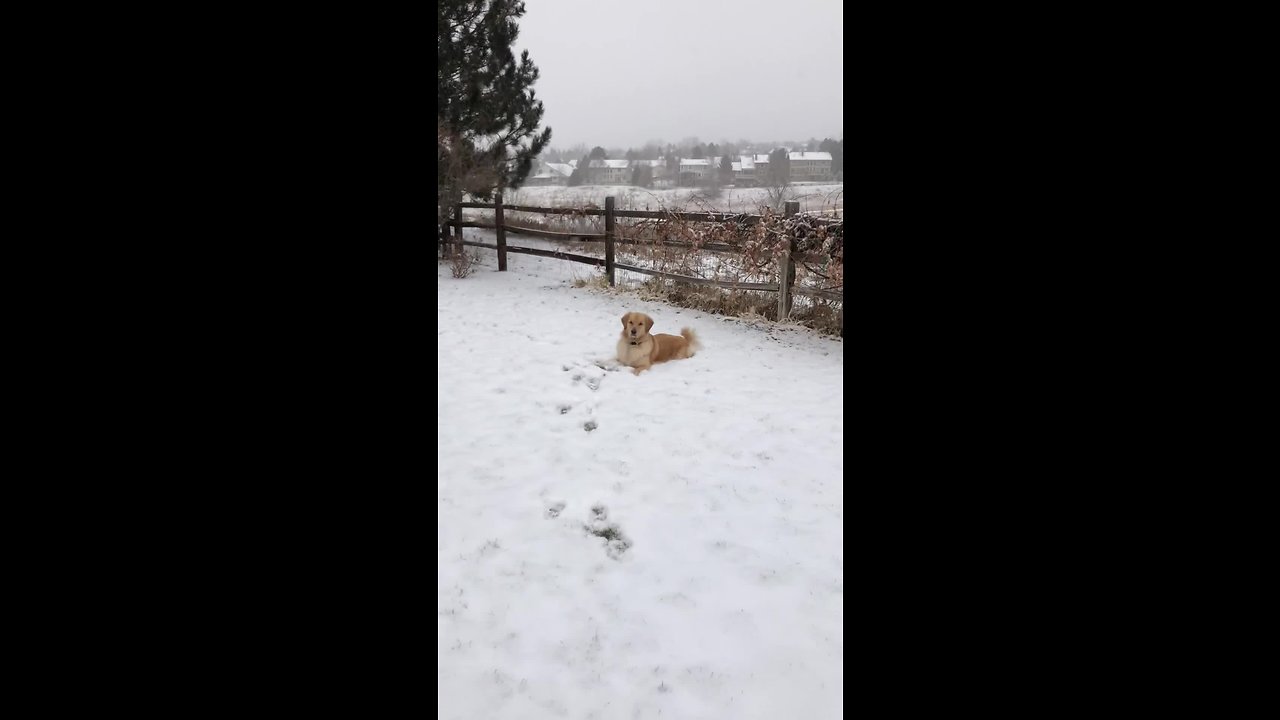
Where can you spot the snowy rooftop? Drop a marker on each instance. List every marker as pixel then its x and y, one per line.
pixel 747 162
pixel 809 156
pixel 561 168
pixel 614 164
pixel 737 167
pixel 694 162
pixel 762 158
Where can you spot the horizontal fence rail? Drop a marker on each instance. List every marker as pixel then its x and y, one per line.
pixel 640 214
pixel 768 287
pixel 785 286
pixel 536 251
pixel 534 231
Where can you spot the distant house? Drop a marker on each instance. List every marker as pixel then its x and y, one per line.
pixel 761 163
pixel 658 167
pixel 715 166
pixel 663 176
pixel 609 172
pixel 744 171
pixel 550 174
pixel 693 171
pixel 810 166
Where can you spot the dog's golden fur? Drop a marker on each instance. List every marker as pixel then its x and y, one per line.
pixel 640 350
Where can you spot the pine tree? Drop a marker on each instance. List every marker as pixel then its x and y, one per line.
pixel 726 169
pixel 779 167
pixel 642 176
pixel 579 174
pixel 598 153
pixel 487 113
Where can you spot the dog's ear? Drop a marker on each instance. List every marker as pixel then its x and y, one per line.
pixel 624 319
pixel 648 323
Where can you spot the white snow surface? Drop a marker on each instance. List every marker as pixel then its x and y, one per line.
pixel 721 473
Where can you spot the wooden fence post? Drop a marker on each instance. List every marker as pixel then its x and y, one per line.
pixel 608 239
pixel 502 233
pixel 457 228
pixel 786 268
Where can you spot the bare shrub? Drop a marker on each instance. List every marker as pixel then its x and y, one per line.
pixel 596 281
pixel 717 301
pixel 463 264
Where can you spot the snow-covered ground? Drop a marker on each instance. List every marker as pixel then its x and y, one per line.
pixel 812 197
pixel 613 546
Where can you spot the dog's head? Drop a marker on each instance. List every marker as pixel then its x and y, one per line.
pixel 636 325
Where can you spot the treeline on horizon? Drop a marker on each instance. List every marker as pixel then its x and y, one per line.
pixel 692 148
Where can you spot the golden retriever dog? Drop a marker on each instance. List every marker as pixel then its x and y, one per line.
pixel 640 350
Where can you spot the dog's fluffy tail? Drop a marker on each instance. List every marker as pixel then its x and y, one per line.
pixel 694 343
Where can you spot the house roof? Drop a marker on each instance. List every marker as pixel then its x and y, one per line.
pixel 762 159
pixel 691 162
pixel 614 164
pixel 746 161
pixel 737 167
pixel 564 169
pixel 809 156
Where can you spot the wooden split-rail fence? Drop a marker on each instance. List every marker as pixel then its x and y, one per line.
pixel 785 286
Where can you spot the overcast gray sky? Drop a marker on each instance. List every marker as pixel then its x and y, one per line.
pixel 618 73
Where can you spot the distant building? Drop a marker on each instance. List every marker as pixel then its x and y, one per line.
pixel 810 166
pixel 659 168
pixel 693 171
pixel 761 163
pixel 550 174
pixel 609 172
pixel 744 171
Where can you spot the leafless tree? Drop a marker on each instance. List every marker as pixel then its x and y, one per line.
pixel 777 189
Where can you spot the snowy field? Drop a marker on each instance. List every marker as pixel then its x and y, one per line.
pixel 812 197
pixel 613 546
